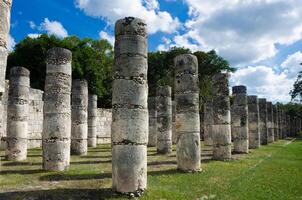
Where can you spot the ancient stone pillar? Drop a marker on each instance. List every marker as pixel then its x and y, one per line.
pixel 221 129
pixel 239 119
pixel 262 121
pixel 270 123
pixel 57 111
pixel 283 124
pixel 17 114
pixel 174 138
pixel 152 122
pixel 279 122
pixel 275 118
pixel 129 107
pixel 5 7
pixel 79 106
pixel 208 122
pixel 187 113
pixel 254 133
pixel 92 119
pixel 164 120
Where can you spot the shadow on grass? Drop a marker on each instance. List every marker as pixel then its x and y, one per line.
pixel 99 150
pixel 34 156
pixel 61 194
pixel 21 164
pixel 108 156
pixel 73 177
pixel 166 162
pixel 90 162
pixel 24 171
pixel 165 172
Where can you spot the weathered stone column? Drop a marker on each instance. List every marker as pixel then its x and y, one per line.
pixel 17 114
pixel 239 119
pixel 276 129
pixel 152 122
pixel 57 111
pixel 92 119
pixel 208 122
pixel 187 113
pixel 129 107
pixel 253 118
pixel 283 124
pixel 221 130
pixel 270 123
pixel 262 121
pixel 164 120
pixel 174 138
pixel 280 122
pixel 5 7
pixel 79 106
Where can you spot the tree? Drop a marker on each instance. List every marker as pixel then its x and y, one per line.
pixel 297 91
pixel 91 60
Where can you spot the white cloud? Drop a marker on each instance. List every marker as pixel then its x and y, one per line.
pixel 53 28
pixel 291 65
pixel 33 35
pixel 145 9
pixel 243 32
pixel 11 43
pixel 32 24
pixel 104 35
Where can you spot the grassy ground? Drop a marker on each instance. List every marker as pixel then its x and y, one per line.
pixel 271 172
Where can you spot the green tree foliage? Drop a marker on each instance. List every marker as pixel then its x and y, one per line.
pixel 293 109
pixel 296 93
pixel 91 60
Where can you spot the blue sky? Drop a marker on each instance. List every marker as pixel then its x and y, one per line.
pixel 262 38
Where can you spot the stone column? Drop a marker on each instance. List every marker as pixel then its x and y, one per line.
pixel 254 133
pixel 208 122
pixel 17 114
pixel 262 121
pixel 201 120
pixel 174 138
pixel 279 122
pixel 152 122
pixel 57 111
pixel 283 124
pixel 187 113
pixel 164 120
pixel 270 123
pixel 92 119
pixel 5 7
pixel 239 119
pixel 276 129
pixel 129 103
pixel 79 106
pixel 221 131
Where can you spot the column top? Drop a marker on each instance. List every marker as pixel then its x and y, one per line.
pixel 164 91
pixel 186 63
pixel 19 71
pixel 252 99
pixel 131 26
pixel 239 89
pixel 58 56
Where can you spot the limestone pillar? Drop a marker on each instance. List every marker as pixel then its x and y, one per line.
pixel 164 120
pixel 57 111
pixel 5 8
pixel 152 122
pixel 79 106
pixel 283 125
pixel 270 123
pixel 239 119
pixel 17 114
pixel 174 138
pixel 208 122
pixel 263 121
pixel 279 122
pixel 253 118
pixel 187 113
pixel 275 117
pixel 129 103
pixel 221 129
pixel 92 119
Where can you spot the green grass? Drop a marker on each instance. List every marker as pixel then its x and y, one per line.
pixel 271 172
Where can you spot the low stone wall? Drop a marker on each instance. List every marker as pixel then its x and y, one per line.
pixel 104 126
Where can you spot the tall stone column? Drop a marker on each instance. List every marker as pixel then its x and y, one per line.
pixel 5 7
pixel 164 120
pixel 208 122
pixel 262 121
pixel 254 133
pixel 57 111
pixel 79 106
pixel 129 103
pixel 187 113
pixel 92 119
pixel 17 114
pixel 283 124
pixel 152 122
pixel 174 138
pixel 239 119
pixel 270 123
pixel 221 129
pixel 280 122
pixel 275 117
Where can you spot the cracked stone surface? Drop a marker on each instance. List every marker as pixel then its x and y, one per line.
pixel 253 120
pixel 92 120
pixel 263 121
pixel 270 122
pixel 152 138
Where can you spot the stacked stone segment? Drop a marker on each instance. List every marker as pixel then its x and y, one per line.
pixel 92 120
pixel 270 123
pixel 253 120
pixel 263 121
pixel 276 125
pixel 208 122
pixel 152 138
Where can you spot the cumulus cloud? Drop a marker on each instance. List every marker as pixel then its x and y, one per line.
pixel 53 28
pixel 243 32
pixel 104 35
pixel 11 43
pixel 33 35
pixel 291 66
pixel 32 24
pixel 145 9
